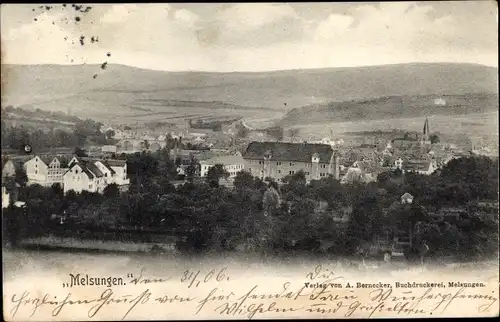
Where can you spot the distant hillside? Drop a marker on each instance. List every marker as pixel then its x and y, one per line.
pixel 392 107
pixel 124 92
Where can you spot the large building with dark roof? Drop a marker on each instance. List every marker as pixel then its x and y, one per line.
pixel 279 159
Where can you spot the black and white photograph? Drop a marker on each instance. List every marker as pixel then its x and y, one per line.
pixel 200 161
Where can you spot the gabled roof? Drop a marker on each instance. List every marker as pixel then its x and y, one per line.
pixel 89 168
pixel 47 159
pixel 281 151
pixel 18 163
pixel 105 163
pixel 94 169
pixel 406 195
pixel 84 169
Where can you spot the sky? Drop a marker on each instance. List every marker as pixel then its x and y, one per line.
pixel 251 36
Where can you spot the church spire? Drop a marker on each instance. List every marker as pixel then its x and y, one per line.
pixel 426 127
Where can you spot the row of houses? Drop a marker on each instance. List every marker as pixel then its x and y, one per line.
pixel 262 159
pixel 280 159
pixel 78 174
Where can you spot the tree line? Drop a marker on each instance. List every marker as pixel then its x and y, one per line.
pixel 83 132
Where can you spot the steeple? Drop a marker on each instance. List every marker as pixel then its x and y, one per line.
pixel 426 127
pixel 425 136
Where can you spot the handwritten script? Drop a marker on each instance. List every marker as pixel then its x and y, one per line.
pixel 318 293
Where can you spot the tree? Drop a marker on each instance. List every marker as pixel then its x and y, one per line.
pixel 242 132
pixel 192 169
pixel 271 200
pixel 276 132
pixel 243 180
pixel 79 152
pixel 366 220
pixel 21 176
pixel 111 191
pixel 215 173
pixel 434 138
pixel 110 134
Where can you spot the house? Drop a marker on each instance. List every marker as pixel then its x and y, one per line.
pixel 280 159
pixel 9 168
pixel 107 170
pixel 120 168
pixel 45 170
pixel 108 149
pixel 406 198
pixel 425 167
pixel 84 176
pixel 357 173
pixel 232 164
pixel 353 174
pixel 398 164
pixel 93 175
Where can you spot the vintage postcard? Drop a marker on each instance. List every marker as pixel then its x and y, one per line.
pixel 182 161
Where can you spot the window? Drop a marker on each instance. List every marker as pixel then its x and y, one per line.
pixel 36 171
pixel 106 174
pixel 279 171
pixel 76 171
pixel 292 172
pixel 307 173
pixel 278 163
pixel 323 166
pixel 291 164
pixel 261 162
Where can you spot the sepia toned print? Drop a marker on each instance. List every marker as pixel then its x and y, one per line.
pixel 249 160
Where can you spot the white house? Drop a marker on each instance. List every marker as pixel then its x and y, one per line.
pixel 84 176
pixel 424 167
pixel 97 174
pixel 120 169
pixel 107 171
pixel 399 164
pixel 44 171
pixel 232 163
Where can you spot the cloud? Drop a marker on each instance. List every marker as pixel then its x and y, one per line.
pixel 119 13
pixel 252 16
pixel 252 25
pixel 334 25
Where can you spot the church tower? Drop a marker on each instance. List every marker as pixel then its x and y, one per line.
pixel 425 133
